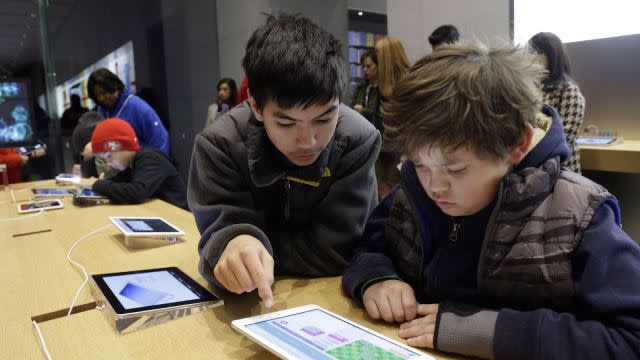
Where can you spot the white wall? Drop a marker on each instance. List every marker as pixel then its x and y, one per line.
pixel 412 21
pixel 237 19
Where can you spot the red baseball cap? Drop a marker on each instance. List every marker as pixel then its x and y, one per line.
pixel 114 135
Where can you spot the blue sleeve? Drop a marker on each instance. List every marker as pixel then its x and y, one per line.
pixel 369 260
pixel 606 321
pixel 150 129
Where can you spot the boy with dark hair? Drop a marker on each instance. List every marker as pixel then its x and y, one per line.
pixel 445 34
pixel 488 247
pixel 144 172
pixel 287 177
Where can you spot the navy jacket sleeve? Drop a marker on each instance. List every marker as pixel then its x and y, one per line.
pixel 147 176
pixel 606 323
pixel 369 260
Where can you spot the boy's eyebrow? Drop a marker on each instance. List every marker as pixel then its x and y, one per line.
pixel 287 117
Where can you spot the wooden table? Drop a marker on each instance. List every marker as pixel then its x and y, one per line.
pixel 623 157
pixel 37 281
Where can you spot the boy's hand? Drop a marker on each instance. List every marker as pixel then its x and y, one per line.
pixel 86 182
pixel 24 159
pixel 391 300
pixel 245 264
pixel 38 153
pixel 87 153
pixel 359 108
pixel 420 332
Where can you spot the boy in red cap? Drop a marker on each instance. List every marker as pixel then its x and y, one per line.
pixel 144 172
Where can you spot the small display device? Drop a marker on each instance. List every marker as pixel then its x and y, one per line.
pixel 43 193
pixel 68 179
pixel 26 150
pixel 595 140
pixel 311 332
pixel 88 197
pixel 136 293
pixel 145 227
pixel 33 206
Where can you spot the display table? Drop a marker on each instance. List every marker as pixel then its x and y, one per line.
pixel 38 282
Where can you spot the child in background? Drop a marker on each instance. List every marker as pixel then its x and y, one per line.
pixel 144 172
pixel 488 247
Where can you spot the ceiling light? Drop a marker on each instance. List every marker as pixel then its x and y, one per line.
pixel 360 13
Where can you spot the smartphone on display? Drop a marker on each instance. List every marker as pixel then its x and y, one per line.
pixel 27 150
pixel 33 206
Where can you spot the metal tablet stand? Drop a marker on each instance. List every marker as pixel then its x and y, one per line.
pixel 128 323
pixel 143 242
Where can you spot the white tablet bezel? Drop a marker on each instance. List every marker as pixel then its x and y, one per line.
pixel 122 227
pixel 75 180
pixel 59 206
pixel 241 326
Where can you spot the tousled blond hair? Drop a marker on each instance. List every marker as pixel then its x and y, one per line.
pixel 464 95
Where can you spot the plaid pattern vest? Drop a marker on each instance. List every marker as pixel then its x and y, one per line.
pixel 539 219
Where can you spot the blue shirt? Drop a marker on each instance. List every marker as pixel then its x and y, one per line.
pixel 144 120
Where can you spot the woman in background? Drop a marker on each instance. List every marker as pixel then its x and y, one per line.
pixel 227 97
pixel 365 99
pixel 560 90
pixel 227 93
pixel 392 65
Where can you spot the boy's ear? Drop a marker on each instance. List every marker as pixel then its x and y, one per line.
pixel 254 107
pixel 520 150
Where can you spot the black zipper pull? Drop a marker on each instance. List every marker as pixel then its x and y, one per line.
pixel 287 205
pixel 454 232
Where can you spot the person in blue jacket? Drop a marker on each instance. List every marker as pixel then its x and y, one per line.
pixel 488 247
pixel 114 100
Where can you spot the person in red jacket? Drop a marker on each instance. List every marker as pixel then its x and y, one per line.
pixel 15 161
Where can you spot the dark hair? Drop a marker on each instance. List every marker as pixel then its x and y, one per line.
pixel 371 54
pixel 464 96
pixel 74 99
pixel 549 44
pixel 445 34
pixel 106 80
pixel 292 61
pixel 234 90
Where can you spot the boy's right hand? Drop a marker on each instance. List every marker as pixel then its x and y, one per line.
pixel 245 264
pixel 87 153
pixel 391 300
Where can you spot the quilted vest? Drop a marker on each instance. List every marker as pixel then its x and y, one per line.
pixel 539 218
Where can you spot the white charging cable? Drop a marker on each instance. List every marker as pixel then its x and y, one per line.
pixel 84 272
pixel 86 278
pixel 44 345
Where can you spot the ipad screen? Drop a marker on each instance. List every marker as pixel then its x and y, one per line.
pixel 148 225
pixel 88 192
pixel 316 334
pixel 148 289
pixel 51 192
pixel 594 141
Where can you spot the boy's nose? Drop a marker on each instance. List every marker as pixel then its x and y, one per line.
pixel 306 137
pixel 438 183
